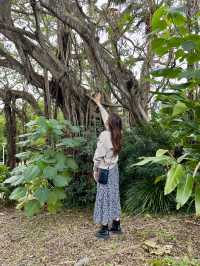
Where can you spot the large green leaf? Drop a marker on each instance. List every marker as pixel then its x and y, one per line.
pixel 73 129
pixel 61 161
pixel 173 42
pixel 197 198
pixel 18 193
pixel 161 152
pixel 32 207
pixel 70 142
pixel 158 43
pixel 48 160
pixel 193 57
pixel 31 173
pixel 42 121
pixel 55 195
pixel 23 155
pixel 157 23
pixel 189 45
pixel 178 17
pixel 162 159
pixel 189 74
pixel 54 207
pixel 184 190
pixel 23 143
pixel 173 177
pixel 55 125
pixel 50 172
pixel 61 181
pixel 71 164
pixel 15 180
pixel 143 161
pixel 167 72
pixel 60 192
pixel 42 194
pixel 179 108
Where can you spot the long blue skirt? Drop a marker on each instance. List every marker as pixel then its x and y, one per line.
pixel 107 204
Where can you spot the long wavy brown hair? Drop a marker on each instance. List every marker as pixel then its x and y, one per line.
pixel 115 127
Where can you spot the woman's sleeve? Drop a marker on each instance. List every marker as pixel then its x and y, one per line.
pixel 100 151
pixel 104 115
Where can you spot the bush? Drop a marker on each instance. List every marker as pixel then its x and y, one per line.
pixel 4 172
pixel 50 166
pixel 138 141
pixel 179 102
pixel 140 180
pixel 147 196
pixel 80 192
pixel 5 190
pixel 82 188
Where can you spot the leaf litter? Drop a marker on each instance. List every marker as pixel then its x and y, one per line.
pixel 67 239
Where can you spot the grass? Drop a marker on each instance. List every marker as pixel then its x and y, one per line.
pixel 161 234
pixel 174 262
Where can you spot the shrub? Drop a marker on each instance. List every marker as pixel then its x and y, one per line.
pixel 147 196
pixel 5 190
pixel 82 188
pixel 137 142
pixel 41 182
pixel 180 106
pixel 80 192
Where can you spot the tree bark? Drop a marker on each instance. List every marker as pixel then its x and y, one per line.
pixel 64 86
pixel 11 130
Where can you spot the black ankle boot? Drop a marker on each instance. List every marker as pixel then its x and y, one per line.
pixel 116 229
pixel 103 232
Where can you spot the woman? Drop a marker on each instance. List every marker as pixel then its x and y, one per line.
pixel 107 205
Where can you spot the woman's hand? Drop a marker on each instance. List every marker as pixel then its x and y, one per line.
pixel 97 98
pixel 96 175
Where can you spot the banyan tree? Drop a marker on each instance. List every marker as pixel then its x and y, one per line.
pixel 55 44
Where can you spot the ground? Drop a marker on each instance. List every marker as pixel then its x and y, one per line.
pixel 68 237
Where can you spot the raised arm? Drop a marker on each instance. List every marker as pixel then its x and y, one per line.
pixel 104 113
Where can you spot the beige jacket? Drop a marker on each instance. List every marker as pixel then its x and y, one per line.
pixel 103 157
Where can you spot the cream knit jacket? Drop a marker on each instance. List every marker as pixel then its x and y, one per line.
pixel 103 157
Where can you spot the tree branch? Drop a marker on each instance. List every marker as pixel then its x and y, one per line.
pixel 23 95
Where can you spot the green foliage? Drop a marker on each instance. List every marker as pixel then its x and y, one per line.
pixel 4 171
pixel 2 126
pixel 169 261
pixel 180 108
pixel 141 181
pixel 80 192
pixel 82 188
pixel 138 141
pixel 4 189
pixel 41 182
pixel 146 195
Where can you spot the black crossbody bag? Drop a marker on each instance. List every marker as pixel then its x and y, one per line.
pixel 103 174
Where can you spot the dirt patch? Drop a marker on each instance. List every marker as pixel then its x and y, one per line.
pixel 67 237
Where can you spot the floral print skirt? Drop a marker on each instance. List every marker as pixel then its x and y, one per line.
pixel 107 204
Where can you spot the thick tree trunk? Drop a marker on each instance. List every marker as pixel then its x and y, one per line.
pixel 11 131
pixel 64 86
pixel 125 86
pixel 47 97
